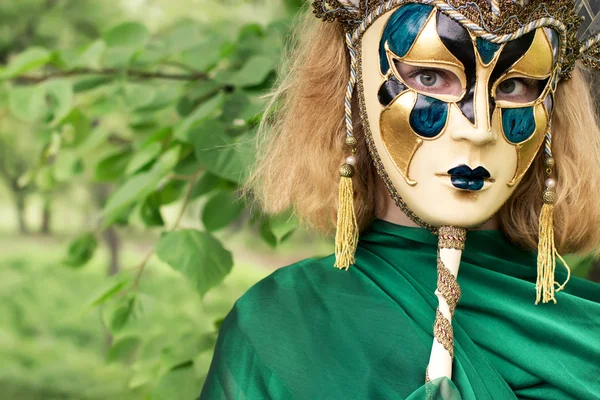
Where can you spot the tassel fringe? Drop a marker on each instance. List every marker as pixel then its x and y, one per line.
pixel 346 237
pixel 547 255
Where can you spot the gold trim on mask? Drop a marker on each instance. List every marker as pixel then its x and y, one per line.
pixel 527 150
pixel 399 139
pixel 538 62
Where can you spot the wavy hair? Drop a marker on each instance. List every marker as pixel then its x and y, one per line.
pixel 301 146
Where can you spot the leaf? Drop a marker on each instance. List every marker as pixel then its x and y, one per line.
pixel 220 154
pixel 189 344
pixel 120 316
pixel 179 383
pixel 109 288
pixel 113 167
pixel 143 156
pixel 123 42
pixel 75 128
pixel 129 34
pixel 90 83
pixel 202 57
pixel 207 184
pixel 150 211
pixel 198 256
pixel 29 60
pixel 141 185
pixel 254 72
pixel 66 165
pixel 206 110
pixel 124 349
pixel 59 93
pixel 91 56
pixel 81 250
pixel 282 226
pixel 27 103
pixel 220 210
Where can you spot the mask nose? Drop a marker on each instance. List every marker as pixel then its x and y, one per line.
pixel 480 132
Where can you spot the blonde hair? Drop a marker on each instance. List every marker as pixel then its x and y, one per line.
pixel 301 147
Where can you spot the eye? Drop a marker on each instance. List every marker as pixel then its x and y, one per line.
pixel 519 90
pixel 429 80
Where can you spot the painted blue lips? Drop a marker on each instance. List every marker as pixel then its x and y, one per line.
pixel 463 177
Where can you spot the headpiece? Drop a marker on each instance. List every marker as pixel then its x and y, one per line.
pixel 565 30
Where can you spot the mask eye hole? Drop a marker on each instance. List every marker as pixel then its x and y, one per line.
pixel 438 82
pixel 519 90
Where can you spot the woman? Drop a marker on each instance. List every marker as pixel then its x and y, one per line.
pixel 467 116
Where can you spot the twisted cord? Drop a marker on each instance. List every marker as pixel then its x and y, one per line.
pixel 351 85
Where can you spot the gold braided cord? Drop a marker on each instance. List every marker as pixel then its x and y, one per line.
pixel 448 286
pixel 452 238
pixel 444 333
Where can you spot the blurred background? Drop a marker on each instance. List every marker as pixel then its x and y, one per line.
pixel 126 132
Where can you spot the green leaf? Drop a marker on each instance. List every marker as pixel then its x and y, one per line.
pixel 66 165
pixel 123 42
pixel 81 250
pixel 220 210
pixel 180 382
pixel 205 111
pixel 29 60
pixel 109 288
pixel 143 156
pixel 59 93
pixel 198 256
pixel 207 183
pixel 202 57
pixel 170 193
pixel 141 185
pixel 91 55
pixel 124 349
pixel 188 345
pixel 129 34
pixel 90 83
pixel 282 226
pixel 121 314
pixel 220 154
pixel 75 128
pixel 28 103
pixel 254 72
pixel 113 167
pixel 150 211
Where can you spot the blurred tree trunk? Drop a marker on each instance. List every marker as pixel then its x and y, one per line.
pixel 21 208
pixel 45 228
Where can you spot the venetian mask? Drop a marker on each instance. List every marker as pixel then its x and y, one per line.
pixel 454 121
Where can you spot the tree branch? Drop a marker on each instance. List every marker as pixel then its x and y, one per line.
pixel 136 73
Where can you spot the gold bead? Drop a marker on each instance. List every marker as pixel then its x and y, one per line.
pixel 549 196
pixel 549 162
pixel 346 171
pixel 351 141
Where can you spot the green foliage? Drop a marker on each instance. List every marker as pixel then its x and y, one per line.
pixel 156 117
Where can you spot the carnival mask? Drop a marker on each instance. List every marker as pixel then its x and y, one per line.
pixel 455 120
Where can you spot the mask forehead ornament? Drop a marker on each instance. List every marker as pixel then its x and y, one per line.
pixel 485 48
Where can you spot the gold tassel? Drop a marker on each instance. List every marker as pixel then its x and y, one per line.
pixel 346 236
pixel 547 253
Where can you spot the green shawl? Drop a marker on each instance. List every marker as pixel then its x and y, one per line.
pixel 310 331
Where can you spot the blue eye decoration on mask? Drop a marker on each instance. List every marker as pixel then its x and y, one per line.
pixel 518 124
pixel 401 31
pixel 429 116
pixel 487 50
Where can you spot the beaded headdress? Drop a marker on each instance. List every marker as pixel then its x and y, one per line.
pixel 577 24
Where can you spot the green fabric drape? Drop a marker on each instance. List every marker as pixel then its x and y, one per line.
pixel 310 331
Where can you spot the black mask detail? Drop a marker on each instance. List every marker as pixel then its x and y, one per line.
pixel 458 41
pixel 511 53
pixel 389 90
